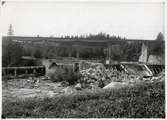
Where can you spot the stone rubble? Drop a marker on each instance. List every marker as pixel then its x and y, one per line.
pixel 97 75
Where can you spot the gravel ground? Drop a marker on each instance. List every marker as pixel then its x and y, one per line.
pixel 23 88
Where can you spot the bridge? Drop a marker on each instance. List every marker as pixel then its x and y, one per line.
pixel 83 43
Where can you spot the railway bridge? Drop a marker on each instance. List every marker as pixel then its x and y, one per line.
pixel 83 43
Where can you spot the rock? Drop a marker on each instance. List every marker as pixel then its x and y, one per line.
pixel 78 86
pixel 115 85
pixel 68 90
pixel 90 81
pixel 45 78
pixel 64 83
pixel 28 80
pixel 101 84
pixel 59 85
pixel 94 87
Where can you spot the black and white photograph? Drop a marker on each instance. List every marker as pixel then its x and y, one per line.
pixel 83 59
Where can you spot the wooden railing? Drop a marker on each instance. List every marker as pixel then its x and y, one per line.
pixel 26 70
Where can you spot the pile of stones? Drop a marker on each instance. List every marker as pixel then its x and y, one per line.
pixel 95 75
pixel 98 75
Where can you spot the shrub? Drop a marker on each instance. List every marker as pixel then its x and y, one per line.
pixel 65 75
pixel 71 77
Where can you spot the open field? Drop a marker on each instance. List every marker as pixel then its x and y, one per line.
pixel 144 100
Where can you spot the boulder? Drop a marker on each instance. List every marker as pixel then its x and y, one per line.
pixel 68 90
pixel 95 87
pixel 115 85
pixel 78 86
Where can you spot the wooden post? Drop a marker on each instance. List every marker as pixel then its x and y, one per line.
pixel 109 53
pixel 70 52
pixel 26 71
pixel 15 72
pixel 77 52
pixel 4 72
pixel 34 71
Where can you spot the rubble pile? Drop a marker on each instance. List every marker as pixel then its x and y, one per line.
pixel 98 75
pixel 160 77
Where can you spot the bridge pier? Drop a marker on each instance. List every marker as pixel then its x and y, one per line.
pixel 109 54
pixel 70 52
pixel 144 53
pixel 26 72
pixel 15 72
pixel 77 53
pixel 34 71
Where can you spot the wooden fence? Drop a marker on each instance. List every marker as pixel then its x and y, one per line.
pixel 16 71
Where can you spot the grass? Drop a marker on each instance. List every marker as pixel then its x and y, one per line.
pixel 142 101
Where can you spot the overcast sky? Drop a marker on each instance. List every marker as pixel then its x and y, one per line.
pixel 139 21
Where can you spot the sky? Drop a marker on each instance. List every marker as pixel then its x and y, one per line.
pixel 129 20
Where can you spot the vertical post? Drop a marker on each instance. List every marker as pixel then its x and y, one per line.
pixel 26 71
pixel 15 72
pixel 34 71
pixel 70 52
pixel 77 53
pixel 109 53
pixel 4 72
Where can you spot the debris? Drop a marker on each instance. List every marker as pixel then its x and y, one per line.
pixel 115 85
pixel 78 86
pixel 69 90
pixel 95 74
pixel 98 74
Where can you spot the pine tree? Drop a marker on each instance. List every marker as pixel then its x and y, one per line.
pixel 11 51
pixel 160 36
pixel 10 30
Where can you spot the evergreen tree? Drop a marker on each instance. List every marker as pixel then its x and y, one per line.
pixel 11 50
pixel 160 36
pixel 10 30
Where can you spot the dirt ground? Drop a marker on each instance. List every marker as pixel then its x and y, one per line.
pixel 15 89
pixel 24 88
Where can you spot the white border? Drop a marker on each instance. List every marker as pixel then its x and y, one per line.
pixel 114 1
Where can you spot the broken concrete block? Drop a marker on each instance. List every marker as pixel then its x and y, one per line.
pixel 78 86
pixel 113 85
